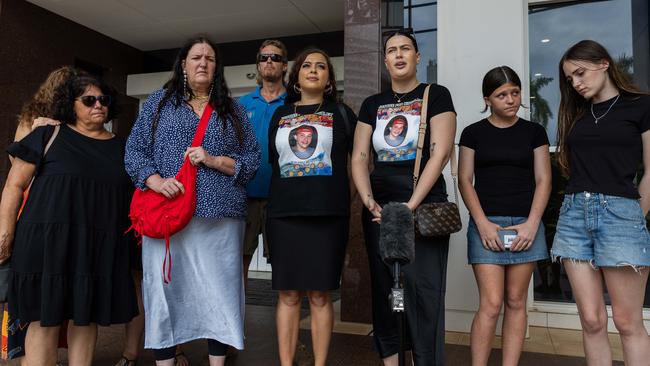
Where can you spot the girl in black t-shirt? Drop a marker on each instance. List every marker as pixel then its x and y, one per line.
pixel 603 138
pixel 309 201
pixel 507 157
pixel 387 133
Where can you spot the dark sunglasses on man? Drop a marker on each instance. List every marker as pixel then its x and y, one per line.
pixel 90 100
pixel 274 57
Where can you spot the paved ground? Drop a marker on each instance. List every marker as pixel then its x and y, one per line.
pixel 261 346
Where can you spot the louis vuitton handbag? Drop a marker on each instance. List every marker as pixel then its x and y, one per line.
pixel 436 218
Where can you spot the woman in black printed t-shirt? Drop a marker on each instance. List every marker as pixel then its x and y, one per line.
pixel 386 135
pixel 507 157
pixel 603 138
pixel 309 200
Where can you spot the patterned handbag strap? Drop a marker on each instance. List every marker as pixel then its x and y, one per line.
pixel 418 155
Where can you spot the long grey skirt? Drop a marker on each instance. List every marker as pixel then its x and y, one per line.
pixel 205 298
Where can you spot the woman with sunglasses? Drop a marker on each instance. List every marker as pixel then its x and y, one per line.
pixel 392 181
pixel 603 139
pixel 309 198
pixel 70 257
pixel 204 298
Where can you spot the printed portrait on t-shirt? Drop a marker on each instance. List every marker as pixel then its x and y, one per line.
pixel 304 144
pixel 303 141
pixel 396 131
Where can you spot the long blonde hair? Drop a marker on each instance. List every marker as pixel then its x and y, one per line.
pixel 42 103
pixel 572 104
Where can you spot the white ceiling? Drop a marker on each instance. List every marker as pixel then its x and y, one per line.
pixel 159 24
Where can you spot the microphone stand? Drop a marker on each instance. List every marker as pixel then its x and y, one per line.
pixel 396 299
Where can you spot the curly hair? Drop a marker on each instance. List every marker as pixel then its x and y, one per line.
pixel 42 103
pixel 293 87
pixel 74 87
pixel 220 98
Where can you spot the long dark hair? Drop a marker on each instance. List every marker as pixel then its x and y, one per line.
pixel 497 77
pixel 572 104
pixel 220 98
pixel 293 87
pixel 74 87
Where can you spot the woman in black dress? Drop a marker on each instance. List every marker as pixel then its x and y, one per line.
pixel 70 257
pixel 308 211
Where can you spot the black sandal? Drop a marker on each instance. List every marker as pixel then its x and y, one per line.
pixel 126 362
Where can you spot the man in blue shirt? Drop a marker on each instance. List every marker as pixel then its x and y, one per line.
pixel 260 106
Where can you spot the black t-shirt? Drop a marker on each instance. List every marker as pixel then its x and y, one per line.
pixel 395 137
pixel 308 151
pixel 605 156
pixel 504 173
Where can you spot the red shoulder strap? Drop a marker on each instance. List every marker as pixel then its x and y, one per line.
pixel 203 125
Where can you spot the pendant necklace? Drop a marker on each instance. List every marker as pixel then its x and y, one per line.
pixel 596 119
pixel 400 97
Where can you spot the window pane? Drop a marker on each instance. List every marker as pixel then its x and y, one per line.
pixel 418 2
pixel 428 67
pixel 424 17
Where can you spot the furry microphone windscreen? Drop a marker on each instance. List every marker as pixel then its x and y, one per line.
pixel 396 234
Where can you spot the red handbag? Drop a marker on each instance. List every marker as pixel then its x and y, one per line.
pixel 156 216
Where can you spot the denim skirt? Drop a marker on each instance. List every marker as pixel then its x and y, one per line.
pixel 477 254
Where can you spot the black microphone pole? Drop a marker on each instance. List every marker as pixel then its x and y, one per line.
pixel 396 246
pixel 396 299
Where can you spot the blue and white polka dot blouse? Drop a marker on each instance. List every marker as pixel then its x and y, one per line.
pixel 217 195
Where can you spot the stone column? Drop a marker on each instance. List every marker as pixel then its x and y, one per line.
pixel 362 78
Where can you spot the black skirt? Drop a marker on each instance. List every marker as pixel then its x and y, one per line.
pixel 307 253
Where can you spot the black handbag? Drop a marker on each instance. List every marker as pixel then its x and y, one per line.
pixel 436 218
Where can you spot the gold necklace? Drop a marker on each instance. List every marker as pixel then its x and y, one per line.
pixel 295 108
pixel 399 98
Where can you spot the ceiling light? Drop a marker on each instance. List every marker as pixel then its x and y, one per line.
pixel 546 40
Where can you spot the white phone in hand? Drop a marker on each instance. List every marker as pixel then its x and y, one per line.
pixel 507 237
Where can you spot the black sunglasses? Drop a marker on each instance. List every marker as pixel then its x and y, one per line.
pixel 90 100
pixel 274 57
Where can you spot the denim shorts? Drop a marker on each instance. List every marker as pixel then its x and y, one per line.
pixel 606 231
pixel 477 254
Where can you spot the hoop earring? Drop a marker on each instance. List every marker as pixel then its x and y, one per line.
pixel 328 89
pixel 210 92
pixel 296 88
pixel 186 93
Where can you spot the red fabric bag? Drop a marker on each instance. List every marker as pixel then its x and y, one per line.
pixel 154 215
